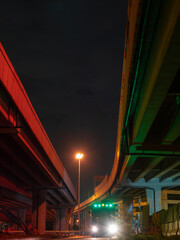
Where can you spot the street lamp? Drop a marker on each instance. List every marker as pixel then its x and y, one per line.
pixel 79 156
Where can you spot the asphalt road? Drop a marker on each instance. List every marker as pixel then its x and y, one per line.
pixel 96 238
pixel 89 238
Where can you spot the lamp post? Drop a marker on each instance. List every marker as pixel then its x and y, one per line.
pixel 79 156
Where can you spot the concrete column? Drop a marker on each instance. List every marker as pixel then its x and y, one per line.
pixel 34 209
pixel 86 220
pixel 145 219
pixel 39 210
pixel 71 222
pixel 15 226
pixel 58 219
pixel 164 200
pixel 83 221
pixel 154 199
pixel 22 214
pixel 63 219
pixel 42 212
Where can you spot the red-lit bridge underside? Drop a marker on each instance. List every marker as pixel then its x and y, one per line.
pixel 14 199
pixel 148 138
pixel 27 157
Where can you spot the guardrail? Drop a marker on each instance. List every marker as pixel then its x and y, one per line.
pixel 167 221
pixel 53 233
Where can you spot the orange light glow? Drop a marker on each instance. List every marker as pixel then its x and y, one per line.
pixel 79 156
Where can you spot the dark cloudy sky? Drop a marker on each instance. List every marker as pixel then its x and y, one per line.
pixel 68 55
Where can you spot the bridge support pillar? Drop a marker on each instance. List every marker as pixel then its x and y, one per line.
pixel 22 214
pixel 154 199
pixel 71 221
pixel 86 220
pixel 83 220
pixel 63 219
pixel 58 220
pixel 15 212
pixel 39 210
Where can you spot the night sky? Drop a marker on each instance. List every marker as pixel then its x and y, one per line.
pixel 68 54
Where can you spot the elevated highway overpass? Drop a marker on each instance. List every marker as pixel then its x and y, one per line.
pixel 148 138
pixel 32 177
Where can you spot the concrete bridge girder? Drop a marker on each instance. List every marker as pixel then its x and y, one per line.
pixel 158 70
pixel 29 161
pixel 161 71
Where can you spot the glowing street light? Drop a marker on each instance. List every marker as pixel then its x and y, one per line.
pixel 79 156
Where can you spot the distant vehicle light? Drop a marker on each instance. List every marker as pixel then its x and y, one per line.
pixel 110 205
pixel 113 228
pixel 95 205
pixel 99 205
pixel 94 229
pixel 106 205
pixel 103 205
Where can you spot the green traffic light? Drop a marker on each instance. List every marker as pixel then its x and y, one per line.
pixel 103 205
pixel 107 205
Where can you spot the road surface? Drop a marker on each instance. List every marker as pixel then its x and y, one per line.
pixel 89 238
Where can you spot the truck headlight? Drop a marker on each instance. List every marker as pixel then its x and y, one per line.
pixel 113 228
pixel 94 229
